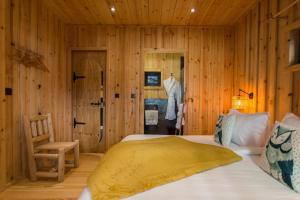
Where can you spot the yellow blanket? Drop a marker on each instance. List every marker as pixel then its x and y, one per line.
pixel 135 166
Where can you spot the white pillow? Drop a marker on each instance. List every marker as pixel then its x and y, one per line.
pixel 249 129
pixel 291 119
pixel 224 129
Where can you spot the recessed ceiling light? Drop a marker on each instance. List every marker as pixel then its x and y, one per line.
pixel 193 10
pixel 113 9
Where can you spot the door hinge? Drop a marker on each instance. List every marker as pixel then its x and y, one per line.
pixel 76 122
pixel 76 77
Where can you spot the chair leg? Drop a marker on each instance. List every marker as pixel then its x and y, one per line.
pixel 32 168
pixel 61 165
pixel 76 154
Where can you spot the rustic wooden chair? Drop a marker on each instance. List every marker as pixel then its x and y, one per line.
pixel 41 145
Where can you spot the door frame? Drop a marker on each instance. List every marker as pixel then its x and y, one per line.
pixel 70 72
pixel 164 50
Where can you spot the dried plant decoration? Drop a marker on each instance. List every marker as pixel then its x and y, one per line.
pixel 28 58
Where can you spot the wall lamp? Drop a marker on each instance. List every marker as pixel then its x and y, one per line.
pixel 251 95
pixel 240 102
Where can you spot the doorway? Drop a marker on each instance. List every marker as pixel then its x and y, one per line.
pixel 163 93
pixel 88 99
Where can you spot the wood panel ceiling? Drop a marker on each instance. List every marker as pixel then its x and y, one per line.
pixel 150 12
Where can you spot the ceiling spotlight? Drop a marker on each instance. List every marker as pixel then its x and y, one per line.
pixel 113 9
pixel 193 10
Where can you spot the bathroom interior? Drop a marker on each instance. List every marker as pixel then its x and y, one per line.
pixel 164 93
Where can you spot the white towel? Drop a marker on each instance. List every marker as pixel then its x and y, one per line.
pixel 180 118
pixel 151 117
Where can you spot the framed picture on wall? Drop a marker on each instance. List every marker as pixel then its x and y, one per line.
pixel 153 79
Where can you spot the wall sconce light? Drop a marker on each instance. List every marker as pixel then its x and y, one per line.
pixel 241 102
pixel 113 9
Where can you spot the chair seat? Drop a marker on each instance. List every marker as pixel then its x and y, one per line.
pixel 57 145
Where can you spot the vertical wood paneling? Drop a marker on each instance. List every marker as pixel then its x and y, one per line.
pixel 272 64
pixel 194 60
pixel 112 85
pixel 262 49
pixel 262 57
pixel 228 83
pixel 30 24
pixel 3 60
pixel 253 62
pixel 284 77
pixel 209 52
pixel 16 101
pixel 219 61
pixel 296 94
pixel 131 79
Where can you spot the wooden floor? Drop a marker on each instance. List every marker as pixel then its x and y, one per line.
pixel 74 182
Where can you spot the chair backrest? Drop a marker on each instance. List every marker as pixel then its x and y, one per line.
pixel 38 128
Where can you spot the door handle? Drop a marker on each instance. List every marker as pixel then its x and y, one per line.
pixel 95 104
pixel 101 104
pixel 76 122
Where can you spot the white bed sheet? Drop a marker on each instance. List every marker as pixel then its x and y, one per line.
pixel 242 180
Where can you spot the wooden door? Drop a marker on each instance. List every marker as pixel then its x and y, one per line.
pixel 88 99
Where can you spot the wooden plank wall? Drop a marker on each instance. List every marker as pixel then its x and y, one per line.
pixel 209 71
pixel 296 75
pixel 262 57
pixel 31 25
pixel 209 74
pixel 214 71
pixel 3 60
pixel 296 93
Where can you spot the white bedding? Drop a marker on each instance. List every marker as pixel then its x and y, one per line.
pixel 242 180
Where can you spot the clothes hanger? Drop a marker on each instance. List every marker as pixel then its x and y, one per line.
pixel 172 75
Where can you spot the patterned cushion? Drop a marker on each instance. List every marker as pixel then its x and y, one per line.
pixel 281 157
pixel 224 129
pixel 218 130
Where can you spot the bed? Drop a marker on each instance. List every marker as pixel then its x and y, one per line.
pixel 241 180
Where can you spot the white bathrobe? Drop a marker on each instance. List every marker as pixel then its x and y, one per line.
pixel 173 90
pixel 180 119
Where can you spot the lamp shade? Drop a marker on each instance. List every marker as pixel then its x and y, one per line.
pixel 240 102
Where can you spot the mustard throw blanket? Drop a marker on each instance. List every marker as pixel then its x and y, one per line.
pixel 135 166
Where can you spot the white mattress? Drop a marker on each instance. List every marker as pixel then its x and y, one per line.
pixel 242 180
